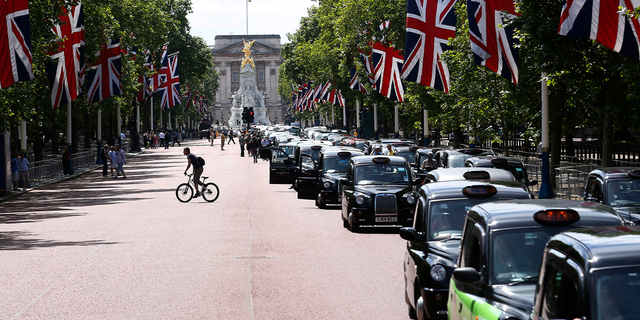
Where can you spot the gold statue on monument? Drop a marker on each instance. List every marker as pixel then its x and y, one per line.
pixel 247 53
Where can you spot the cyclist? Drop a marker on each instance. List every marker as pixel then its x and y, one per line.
pixel 197 169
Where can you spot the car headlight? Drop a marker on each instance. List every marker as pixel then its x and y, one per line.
pixel 410 198
pixel 438 272
pixel 327 184
pixel 362 199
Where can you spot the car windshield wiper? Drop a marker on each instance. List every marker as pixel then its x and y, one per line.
pixel 456 237
pixel 523 280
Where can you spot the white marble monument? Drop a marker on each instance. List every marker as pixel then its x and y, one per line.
pixel 248 96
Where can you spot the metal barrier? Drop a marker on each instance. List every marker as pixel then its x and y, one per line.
pixel 48 170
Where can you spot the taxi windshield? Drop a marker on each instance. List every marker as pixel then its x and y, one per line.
pixel 288 150
pixel 335 165
pixel 615 293
pixel 381 174
pixel 446 218
pixel 622 193
pixel 407 155
pixel 516 254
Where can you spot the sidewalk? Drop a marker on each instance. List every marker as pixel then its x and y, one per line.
pixel 62 177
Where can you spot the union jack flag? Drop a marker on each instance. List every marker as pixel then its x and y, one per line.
pixel 430 24
pixel 491 42
pixel 66 76
pixel 170 87
pixel 355 84
pixel 335 97
pixel 103 78
pixel 368 67
pixel 604 22
pixel 388 63
pixel 155 81
pixel 15 43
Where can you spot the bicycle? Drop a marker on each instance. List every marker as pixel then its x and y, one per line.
pixel 184 192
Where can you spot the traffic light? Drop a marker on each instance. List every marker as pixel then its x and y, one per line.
pixel 245 115
pixel 250 115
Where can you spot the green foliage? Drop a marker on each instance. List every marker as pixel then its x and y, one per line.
pixel 138 23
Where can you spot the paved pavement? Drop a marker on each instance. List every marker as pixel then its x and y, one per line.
pixel 98 248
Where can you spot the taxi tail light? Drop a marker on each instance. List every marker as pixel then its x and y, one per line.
pixel 381 160
pixel 476 175
pixel 556 216
pixel 479 191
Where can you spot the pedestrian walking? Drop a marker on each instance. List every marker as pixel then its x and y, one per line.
pixel 197 169
pixel 241 140
pixel 222 139
pixel 231 137
pixel 211 136
pixel 161 138
pixel 255 144
pixel 112 160
pixel 23 171
pixel 167 139
pixel 104 156
pixel 66 160
pixel 14 172
pixel 121 160
pixel 175 139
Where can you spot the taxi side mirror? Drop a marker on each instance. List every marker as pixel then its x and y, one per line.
pixel 591 199
pixel 533 182
pixel 417 181
pixel 410 234
pixel 346 182
pixel 467 275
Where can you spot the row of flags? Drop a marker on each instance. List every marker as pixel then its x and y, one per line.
pixel 431 23
pixel 306 98
pixel 67 73
pixel 199 101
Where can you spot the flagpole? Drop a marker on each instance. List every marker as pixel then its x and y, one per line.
pixel 69 123
pixel 546 191
pixel 247 3
pixel 358 117
pixel 375 121
pixel 397 122
pixel 151 112
pixel 344 117
pixel 426 127
pixel 119 117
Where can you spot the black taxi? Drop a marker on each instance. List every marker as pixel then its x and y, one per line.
pixel 378 190
pixel 618 187
pixel 501 250
pixel 590 273
pixel 285 169
pixel 434 239
pixel 320 180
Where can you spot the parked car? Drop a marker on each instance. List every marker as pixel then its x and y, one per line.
pixel 617 187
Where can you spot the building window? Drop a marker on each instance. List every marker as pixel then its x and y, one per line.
pixel 261 76
pixel 234 78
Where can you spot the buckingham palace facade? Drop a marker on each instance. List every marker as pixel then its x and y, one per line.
pixel 227 54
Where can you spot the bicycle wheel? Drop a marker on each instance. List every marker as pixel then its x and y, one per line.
pixel 211 192
pixel 184 192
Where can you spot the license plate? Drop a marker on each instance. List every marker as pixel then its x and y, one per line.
pixel 386 219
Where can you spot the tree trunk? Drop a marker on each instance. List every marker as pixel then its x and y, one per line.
pixel 570 147
pixel 457 138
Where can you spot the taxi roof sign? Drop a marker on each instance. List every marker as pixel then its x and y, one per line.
pixel 380 159
pixel 476 175
pixel 635 174
pixel 316 147
pixel 479 191
pixel 500 162
pixel 556 216
pixel 344 154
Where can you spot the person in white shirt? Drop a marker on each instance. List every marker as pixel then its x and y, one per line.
pixel 161 137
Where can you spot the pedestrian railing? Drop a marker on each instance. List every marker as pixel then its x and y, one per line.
pixel 48 170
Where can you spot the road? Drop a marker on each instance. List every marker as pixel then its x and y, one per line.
pixel 94 247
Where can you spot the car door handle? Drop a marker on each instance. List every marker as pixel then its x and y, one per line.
pixel 460 309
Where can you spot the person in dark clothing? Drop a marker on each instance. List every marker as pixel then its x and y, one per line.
pixel 66 160
pixel 104 156
pixel 241 140
pixel 175 139
pixel 167 139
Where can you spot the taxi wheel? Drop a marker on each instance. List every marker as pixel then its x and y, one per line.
pixel 319 203
pixel 412 312
pixel 345 223
pixel 353 226
pixel 420 312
